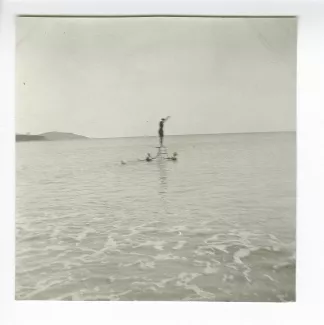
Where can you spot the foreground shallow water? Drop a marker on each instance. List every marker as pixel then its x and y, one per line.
pixel 218 225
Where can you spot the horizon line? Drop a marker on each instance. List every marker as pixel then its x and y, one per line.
pixel 151 136
pixel 189 134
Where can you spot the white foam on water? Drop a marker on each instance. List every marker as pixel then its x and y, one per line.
pixel 199 263
pixel 180 244
pixel 209 269
pixel 185 278
pixel 158 245
pixel 241 253
pixel 221 248
pixel 168 256
pixel 34 293
pixel 83 235
pixel 246 273
pixel 201 293
pixel 111 244
pixel 162 283
pixel 146 265
pixel 269 277
pixel 212 239
pixel 282 265
pixel 273 237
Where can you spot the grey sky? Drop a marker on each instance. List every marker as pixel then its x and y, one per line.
pixel 107 77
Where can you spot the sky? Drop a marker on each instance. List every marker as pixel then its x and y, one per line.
pixel 117 77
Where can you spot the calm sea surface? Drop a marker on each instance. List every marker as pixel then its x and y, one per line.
pixel 218 225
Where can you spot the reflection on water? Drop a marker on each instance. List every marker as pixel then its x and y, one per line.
pixel 163 182
pixel 218 225
pixel 163 176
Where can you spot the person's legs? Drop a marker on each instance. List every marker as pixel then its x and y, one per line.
pixel 161 138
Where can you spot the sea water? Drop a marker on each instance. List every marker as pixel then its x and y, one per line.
pixel 217 225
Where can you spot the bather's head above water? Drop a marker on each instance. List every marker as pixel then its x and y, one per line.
pixel 148 157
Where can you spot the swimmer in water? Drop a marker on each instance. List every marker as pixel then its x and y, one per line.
pixel 173 157
pixel 161 130
pixel 147 158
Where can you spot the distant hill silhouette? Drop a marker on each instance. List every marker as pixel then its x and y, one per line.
pixel 28 137
pixel 49 136
pixel 56 136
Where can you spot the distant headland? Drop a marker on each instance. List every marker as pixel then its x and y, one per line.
pixel 49 136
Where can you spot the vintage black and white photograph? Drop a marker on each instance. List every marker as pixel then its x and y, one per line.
pixel 156 158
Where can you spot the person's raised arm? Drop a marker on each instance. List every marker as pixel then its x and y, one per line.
pixel 166 118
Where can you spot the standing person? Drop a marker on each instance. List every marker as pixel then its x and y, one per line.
pixel 161 131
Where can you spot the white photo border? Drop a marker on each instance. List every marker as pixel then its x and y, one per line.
pixel 310 174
